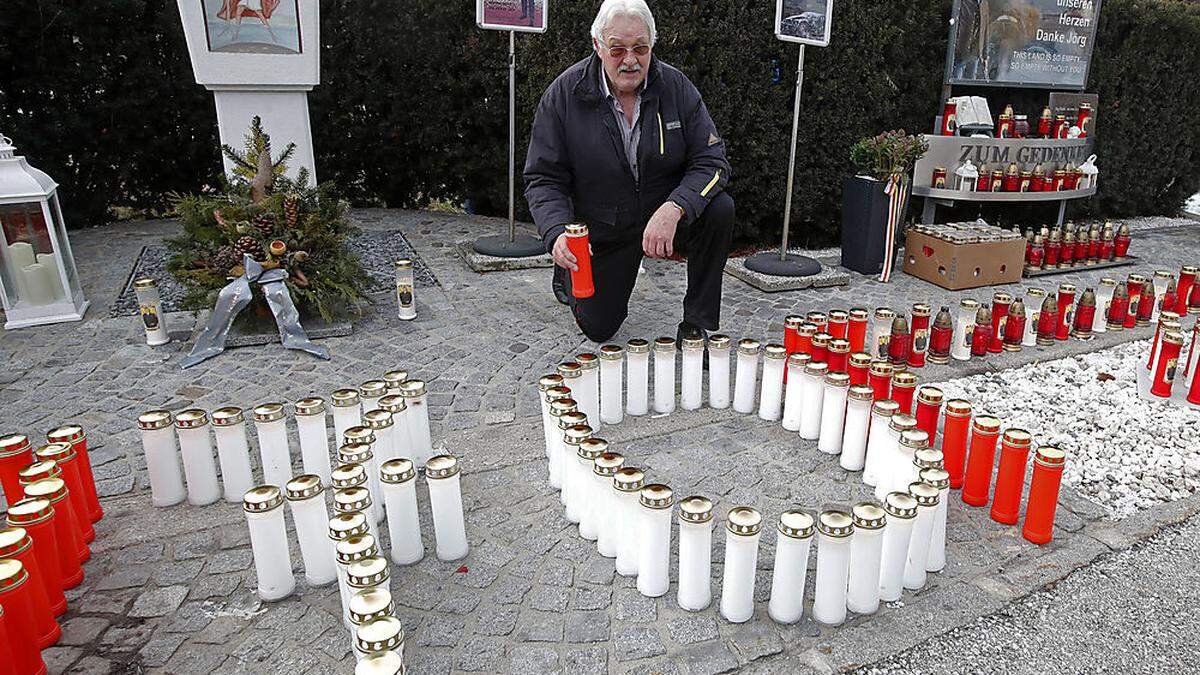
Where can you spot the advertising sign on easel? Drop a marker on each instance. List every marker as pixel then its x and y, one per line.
pixel 527 16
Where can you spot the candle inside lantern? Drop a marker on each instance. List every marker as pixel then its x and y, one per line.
pixel 772 382
pixel 742 531
pixel 834 530
pixel 745 376
pixel 612 385
pixel 627 518
pixel 398 482
pixel 718 371
pixel 862 594
pixel 915 573
pixel 445 501
pixel 792 542
pixel 664 375
pixel 833 412
pixel 793 397
pixel 306 496
pixel 691 393
pixel 162 461
pixel 199 466
pixel 269 542
pixel 654 540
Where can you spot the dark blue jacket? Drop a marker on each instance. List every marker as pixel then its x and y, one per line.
pixel 576 168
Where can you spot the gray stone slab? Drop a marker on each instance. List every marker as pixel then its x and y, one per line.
pixel 830 275
pixel 479 262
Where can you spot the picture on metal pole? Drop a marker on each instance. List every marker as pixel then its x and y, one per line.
pixel 252 26
pixel 521 15
pixel 805 21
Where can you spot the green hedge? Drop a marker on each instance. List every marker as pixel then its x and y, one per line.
pixel 413 100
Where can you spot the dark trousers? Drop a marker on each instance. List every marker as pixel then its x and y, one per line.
pixel 705 243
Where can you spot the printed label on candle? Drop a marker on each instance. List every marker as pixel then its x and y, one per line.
pixel 1133 304
pixel 1001 324
pixel 884 341
pixel 404 295
pixel 149 316
pixel 1069 315
pixel 967 336
pixel 1169 376
pixel 920 339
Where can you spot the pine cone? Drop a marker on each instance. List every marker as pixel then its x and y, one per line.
pixel 250 246
pixel 227 258
pixel 264 223
pixel 291 211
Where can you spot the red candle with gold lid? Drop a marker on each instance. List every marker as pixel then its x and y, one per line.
pixel 71 548
pixel 879 377
pixel 954 439
pixel 820 348
pixel 8 661
pixel 839 324
pixel 1047 322
pixel 984 184
pixel 899 344
pixel 1117 308
pixel 997 184
pixel 1093 245
pixel 1081 247
pixel 1194 391
pixel 1037 254
pixel 981 336
pixel 16 544
pixel 1145 305
pixel 856 329
pixel 75 435
pixel 1168 364
pixel 858 365
pixel 920 335
pixel 929 408
pixel 839 355
pixel 1193 308
pixel 1010 475
pixel 1135 285
pixel 819 320
pixel 1043 494
pixel 1166 321
pixel 38 470
pixel 1012 179
pixel 20 616
pixel 1187 278
pixel 904 386
pixel 1045 124
pixel 1053 248
pixel 977 482
pixel 1066 256
pixel 941 337
pixel 64 455
pixel 1066 311
pixel 1014 326
pixel 581 277
pixel 34 516
pixel 791 336
pixel 1038 183
pixel 804 337
pixel 1170 297
pixel 1001 302
pixel 1085 315
pixel 15 453
pixel 1121 241
pixel 1061 127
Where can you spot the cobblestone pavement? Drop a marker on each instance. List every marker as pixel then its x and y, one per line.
pixel 172 589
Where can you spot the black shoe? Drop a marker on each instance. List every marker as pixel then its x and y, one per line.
pixel 687 330
pixel 559 284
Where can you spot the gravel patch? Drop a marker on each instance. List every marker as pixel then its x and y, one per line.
pixel 1123 452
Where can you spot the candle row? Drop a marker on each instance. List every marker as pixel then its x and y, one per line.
pixel 1166 349
pixel 1068 246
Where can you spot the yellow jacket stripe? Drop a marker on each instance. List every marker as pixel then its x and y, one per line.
pixel 716 177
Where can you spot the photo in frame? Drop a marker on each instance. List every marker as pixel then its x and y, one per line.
pixel 252 26
pixel 530 16
pixel 808 22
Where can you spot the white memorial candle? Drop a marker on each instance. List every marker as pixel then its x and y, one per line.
pixel 401 435
pixel 314 439
pixel 150 311
pixel 902 472
pixel 638 374
pixel 901 511
pixel 307 498
pixel 445 500
pixel 834 532
pixel 550 389
pixel 792 543
pixel 368 574
pixel 366 606
pixel 880 333
pixel 199 465
pixel 770 396
pixel 387 662
pixel 891 457
pixel 38 288
pixel 718 371
pixel 964 328
pixel 605 502
pixel 1033 311
pixel 627 485
pixel 586 454
pixel 586 389
pixel 664 375
pixel 862 593
pixel 357 500
pixel 233 452
pixel 380 422
pixel 395 380
pixel 273 447
pixel 745 376
pixel 398 481
pixel 833 412
pixel 269 542
pixel 559 409
pixel 743 528
pixel 406 303
pixel 370 392
pixel 796 363
pixel 654 541
pixel 346 412
pixel 421 442
pixel 695 553
pixel 612 384
pixel 691 385
pixel 812 396
pixel 1104 295
pixel 162 460
pixel 938 478
pixel 878 438
pixel 1160 281
pixel 573 486
pixel 359 448
pixel 858 418
pixel 377 638
pixel 918 550
pixel 349 536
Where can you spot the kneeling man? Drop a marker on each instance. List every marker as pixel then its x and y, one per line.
pixel 623 142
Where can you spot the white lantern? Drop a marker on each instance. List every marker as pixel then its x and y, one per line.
pixel 38 282
pixel 966 177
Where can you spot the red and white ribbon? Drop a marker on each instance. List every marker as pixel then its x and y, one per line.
pixel 896 193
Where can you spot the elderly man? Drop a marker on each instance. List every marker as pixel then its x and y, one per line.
pixel 623 142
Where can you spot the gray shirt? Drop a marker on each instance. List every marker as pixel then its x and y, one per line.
pixel 631 133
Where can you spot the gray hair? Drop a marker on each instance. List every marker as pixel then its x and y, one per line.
pixel 611 9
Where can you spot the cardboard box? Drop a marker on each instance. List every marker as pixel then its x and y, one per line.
pixel 958 266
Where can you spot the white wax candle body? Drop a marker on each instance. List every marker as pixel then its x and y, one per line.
pixel 556 455
pixel 639 380
pixel 233 451
pixel 588 529
pixel 833 569
pixel 903 472
pixel 629 536
pixel 162 463
pixel 695 565
pixel 745 380
pixel 788 578
pixel 275 452
pixel 691 394
pixel 862 594
pixel 50 263
pixel 664 382
pixel 547 420
pixel 603 514
pixel 402 435
pixel 897 534
pixel 344 417
pixel 312 523
pixel 737 585
pixel 936 561
pixel 611 385
pixel 21 254
pixel 150 314
pixel 1104 296
pixel 772 390
pixel 449 528
pixel 718 378
pixel 572 489
pixel 314 446
pixel 918 548
pixel 1029 336
pixel 792 397
pixel 854 436
pixel 964 329
pixel 812 397
pixel 878 439
pixel 1159 283
pixel 654 552
pixel 406 295
pixel 404 526
pixel 421 441
pixel 889 464
pixel 39 289
pixel 344 592
pixel 199 466
pixel 588 395
pixel 375 513
pixel 833 419
pixel 272 560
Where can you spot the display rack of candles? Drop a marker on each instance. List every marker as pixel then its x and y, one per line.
pixel 1076 247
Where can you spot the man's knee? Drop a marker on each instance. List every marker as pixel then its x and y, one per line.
pixel 598 329
pixel 720 211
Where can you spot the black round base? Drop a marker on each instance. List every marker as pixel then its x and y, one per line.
pixel 499 246
pixel 768 263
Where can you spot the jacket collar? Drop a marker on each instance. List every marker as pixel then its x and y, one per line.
pixel 587 87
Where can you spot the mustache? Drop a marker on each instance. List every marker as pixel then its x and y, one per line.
pixel 637 67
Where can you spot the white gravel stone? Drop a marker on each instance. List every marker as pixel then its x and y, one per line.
pixel 1123 452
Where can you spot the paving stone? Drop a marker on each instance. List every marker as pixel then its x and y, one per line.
pixel 93 665
pixel 758 639
pixel 496 621
pixel 124 577
pixel 158 602
pixel 197 658
pixel 592 661
pixel 711 658
pixel 592 598
pixel 637 642
pixel 160 648
pixel 557 573
pixel 178 572
pixel 633 607
pixel 126 638
pixel 441 631
pixel 230 561
pixel 427 662
pixel 480 655
pixel 59 659
pixel 189 618
pixel 458 601
pixel 533 660
pixel 549 599
pixel 510 591
pixel 221 630
pixel 656 667
pixel 587 627
pixel 600 572
pixel 693 628
pixel 82 630
pixel 540 627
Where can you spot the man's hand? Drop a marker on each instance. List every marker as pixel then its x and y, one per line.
pixel 658 240
pixel 562 254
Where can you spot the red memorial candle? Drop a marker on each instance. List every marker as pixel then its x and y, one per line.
pixel 20 613
pixel 820 348
pixel 1194 391
pixel 1045 124
pixel 1053 248
pixel 1168 365
pixel 1047 322
pixel 1043 494
pixel 929 408
pixel 7 658
pixel 1081 247
pixel 920 335
pixel 941 337
pixel 1066 255
pixel 858 366
pixel 804 338
pixel 1121 241
pixel 34 516
pixel 954 439
pixel 839 324
pixel 839 355
pixel 819 320
pixel 880 379
pixel 1118 307
pixel 904 386
pixel 1014 326
pixel 1085 315
pixel 581 277
pixel 977 482
pixel 16 544
pixel 66 532
pixel 1135 284
pixel 899 344
pixel 791 336
pixel 856 329
pixel 1167 321
pixel 1170 297
pixel 1066 311
pixel 15 453
pixel 64 455
pixel 981 336
pixel 1010 476
pixel 1187 277
pixel 74 434
pixel 1145 306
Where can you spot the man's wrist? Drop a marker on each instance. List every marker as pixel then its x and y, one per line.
pixel 682 213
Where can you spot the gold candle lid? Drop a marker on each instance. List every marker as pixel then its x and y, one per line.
pixel 262 498
pixel 587 360
pixel 817 318
pixel 629 479
pixel 395 378
pixel 148 421
pixel 835 524
pixel 379 635
pixel 309 405
pixel 562 406
pixel 13 444
pixel 860 360
pixel 718 341
pixel 52 489
pixel 796 524
pixel 868 516
pixel 37 471
pixel 386 662
pixel 930 395
pixel 957 407
pixel 859 313
pixel 372 388
pixel 355 453
pixel 822 340
pixel 637 346
pixel 268 412
pixel 798 360
pixel 349 500
pixel 441 466
pixel 744 521
pixel 371 603
pixel 696 509
pixel 928 458
pixel 904 379
pixel 547 382
pixel 394 403
pixel 861 392
pixel 12 574
pixel 227 416
pixel 816 369
pixel 1017 437
pixel 881 369
pixel 924 493
pixel 655 496
pixel 29 511
pixel 348 476
pixel 807 330
pixel 590 448
pixel 304 486
pixel 692 344
pixel 664 345
pixel 937 477
pixel 67 433
pixel 986 424
pixel 885 313
pixel 1040 293
pixel 792 321
pixel 774 351
pixel 884 407
pixel 55 452
pixel 837 380
pixel 377 419
pixel 912 438
pixel 395 471
pixel 574 434
pixel 571 419
pixel 900 505
pixel 901 422
pixel 344 398
pixel 611 352
pixel 569 370
pixel 838 316
pixel 193 418
pixel 607 464
pixel 367 572
pixel 839 346
pixel 404 264
pixel 748 347
pixel 359 434
pixel 412 388
pixel 1048 455
pixel 345 525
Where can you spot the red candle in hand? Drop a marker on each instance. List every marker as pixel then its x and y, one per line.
pixel 1010 476
pixel 978 480
pixel 581 278
pixel 954 439
pixel 1043 495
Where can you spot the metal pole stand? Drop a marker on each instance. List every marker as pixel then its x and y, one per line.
pixel 784 264
pixel 511 246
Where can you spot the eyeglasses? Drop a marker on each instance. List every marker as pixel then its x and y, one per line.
pixel 619 52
